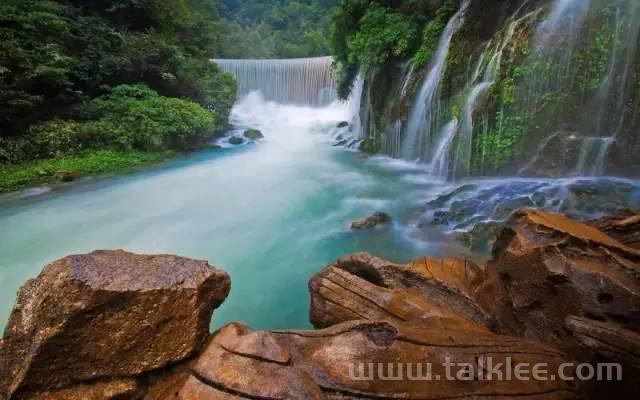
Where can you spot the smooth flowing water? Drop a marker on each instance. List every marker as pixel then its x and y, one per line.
pixel 275 212
pixel 271 213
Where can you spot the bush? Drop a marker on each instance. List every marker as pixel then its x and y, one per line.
pixel 136 117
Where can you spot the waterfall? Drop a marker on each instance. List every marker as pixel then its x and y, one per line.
pixel 591 158
pixel 392 139
pixel 304 81
pixel 439 165
pixel 422 117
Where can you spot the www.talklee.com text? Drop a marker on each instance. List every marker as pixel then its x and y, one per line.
pixel 485 369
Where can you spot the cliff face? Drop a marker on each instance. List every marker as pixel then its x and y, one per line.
pixel 498 85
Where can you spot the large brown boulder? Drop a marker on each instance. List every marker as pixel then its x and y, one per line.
pixel 546 267
pixel 106 315
pixel 368 360
pixel 625 228
pixel 427 291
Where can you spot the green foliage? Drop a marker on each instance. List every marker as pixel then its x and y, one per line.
pixel 136 117
pixel 383 34
pixel 56 56
pixel 15 177
pixel 275 28
pixel 432 32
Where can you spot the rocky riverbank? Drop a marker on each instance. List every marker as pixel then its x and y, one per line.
pixel 114 325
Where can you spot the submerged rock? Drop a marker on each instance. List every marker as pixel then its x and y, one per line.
pixel 107 315
pixel 253 134
pixel 343 124
pixel 236 140
pixel 373 221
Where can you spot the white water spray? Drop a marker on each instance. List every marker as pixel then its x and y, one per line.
pixel 304 81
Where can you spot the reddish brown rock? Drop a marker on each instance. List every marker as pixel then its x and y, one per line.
pixel 124 389
pixel 428 292
pixel 624 228
pixel 334 364
pixel 546 267
pixel 107 314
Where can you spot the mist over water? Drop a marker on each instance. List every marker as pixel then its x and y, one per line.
pixel 270 213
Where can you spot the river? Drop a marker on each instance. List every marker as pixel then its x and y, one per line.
pixel 271 213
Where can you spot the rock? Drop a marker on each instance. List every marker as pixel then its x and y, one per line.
pixel 616 352
pixel 236 140
pixel 333 364
pixel 557 156
pixel 253 134
pixel 546 267
pixel 343 124
pixel 213 146
pixel 124 389
pixel 608 340
pixel 341 143
pixel 624 228
pixel 377 219
pixel 429 292
pixel 67 175
pixel 107 314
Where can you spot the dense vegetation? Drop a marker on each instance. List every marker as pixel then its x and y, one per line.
pixel 371 33
pixel 276 28
pixel 127 75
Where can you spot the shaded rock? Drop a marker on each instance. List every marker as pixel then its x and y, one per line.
pixel 624 228
pixel 427 292
pixel 557 156
pixel 236 140
pixel 482 236
pixel 377 219
pixel 67 175
pixel 608 340
pixel 124 389
pixel 107 314
pixel 343 124
pixel 546 267
pixel 327 365
pixel 341 143
pixel 213 146
pixel 253 134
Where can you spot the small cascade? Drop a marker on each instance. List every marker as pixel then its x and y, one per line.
pixel 305 81
pixel 614 88
pixel 423 114
pixel 439 165
pixel 392 140
pixel 592 154
pixel 464 148
pixel 354 105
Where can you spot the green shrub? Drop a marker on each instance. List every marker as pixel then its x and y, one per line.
pixel 136 117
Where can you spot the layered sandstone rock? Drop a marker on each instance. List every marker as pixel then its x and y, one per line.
pixel 546 267
pixel 334 364
pixel 107 315
pixel 624 228
pixel 428 292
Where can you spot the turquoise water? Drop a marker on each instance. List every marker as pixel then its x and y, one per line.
pixel 271 214
pixel 275 212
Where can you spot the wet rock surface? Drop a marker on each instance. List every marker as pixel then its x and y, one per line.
pixel 371 222
pixel 476 213
pixel 107 315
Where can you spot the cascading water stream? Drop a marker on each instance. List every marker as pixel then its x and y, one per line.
pixel 422 117
pixel 304 81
